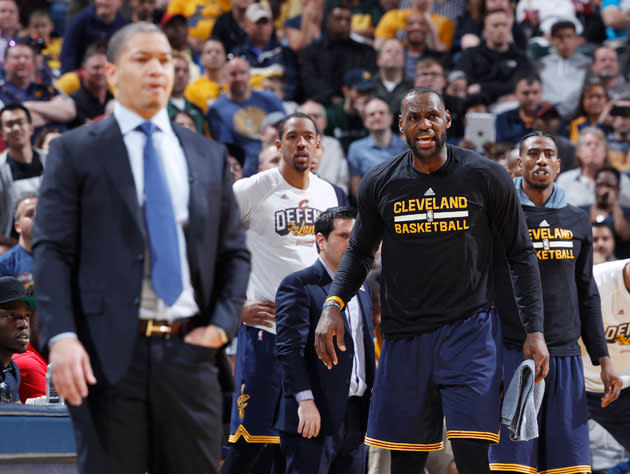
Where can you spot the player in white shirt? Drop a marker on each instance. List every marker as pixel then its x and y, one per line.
pixel 279 208
pixel 613 282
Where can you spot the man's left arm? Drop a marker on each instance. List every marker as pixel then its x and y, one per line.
pixel 58 109
pixel 231 271
pixel 592 325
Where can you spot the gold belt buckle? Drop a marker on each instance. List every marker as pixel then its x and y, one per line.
pixel 163 329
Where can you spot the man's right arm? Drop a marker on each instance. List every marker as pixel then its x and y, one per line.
pixel 613 16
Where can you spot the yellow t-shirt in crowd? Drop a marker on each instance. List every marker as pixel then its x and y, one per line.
pixel 201 14
pixel 392 25
pixel 203 91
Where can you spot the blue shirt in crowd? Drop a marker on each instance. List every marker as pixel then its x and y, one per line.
pixel 16 262
pixel 364 154
pixel 239 123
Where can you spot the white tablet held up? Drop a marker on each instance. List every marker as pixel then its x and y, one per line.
pixel 480 129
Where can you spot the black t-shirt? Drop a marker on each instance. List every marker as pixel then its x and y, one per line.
pixel 26 170
pixel 563 243
pixel 228 31
pixel 438 231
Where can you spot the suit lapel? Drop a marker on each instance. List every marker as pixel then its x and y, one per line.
pixel 117 166
pixel 325 283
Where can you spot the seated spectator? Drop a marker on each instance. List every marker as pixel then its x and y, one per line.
pixel 183 118
pixel 603 243
pixel 45 136
pixel 332 166
pixel 591 155
pixel 265 54
pixel 420 43
pixel 175 28
pixel 143 11
pixel 547 119
pixel 277 85
pixel 21 165
pixel 44 103
pixel 269 128
pixel 380 145
pixel 390 83
pixel 325 62
pixel 40 25
pixel 15 313
pixel 9 25
pixel 18 262
pixel 92 97
pixel 471 27
pixel 237 116
pixel 269 158
pixel 592 103
pixel 33 368
pixel 199 14
pixel 538 16
pixel 512 125
pixel 618 112
pixel 228 29
pixel 457 84
pixel 606 208
pixel 303 29
pixel 430 73
pixel 205 90
pixel 392 25
pixel 493 67
pixel 344 118
pixel 563 72
pixel 236 157
pixel 94 23
pixel 606 69
pixel 177 102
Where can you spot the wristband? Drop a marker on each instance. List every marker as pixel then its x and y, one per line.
pixel 334 300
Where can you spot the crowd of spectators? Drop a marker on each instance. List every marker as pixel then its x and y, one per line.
pixel 560 66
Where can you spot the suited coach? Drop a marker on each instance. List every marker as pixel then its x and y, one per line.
pixel 141 268
pixel 321 413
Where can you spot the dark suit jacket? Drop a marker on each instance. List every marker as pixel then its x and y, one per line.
pixel 89 242
pixel 299 301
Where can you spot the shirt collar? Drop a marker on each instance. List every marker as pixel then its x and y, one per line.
pixel 129 121
pixel 331 274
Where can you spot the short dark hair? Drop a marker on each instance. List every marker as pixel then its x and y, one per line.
pixel 423 90
pixel 561 25
pixel 43 133
pixel 603 223
pixel 325 222
pixel 15 106
pixel 119 39
pixel 284 121
pixel 529 77
pixel 94 49
pixel 343 5
pixel 39 13
pixel 493 11
pixel 23 40
pixel 609 169
pixel 536 133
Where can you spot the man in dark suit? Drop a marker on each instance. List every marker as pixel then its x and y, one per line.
pixel 142 267
pixel 322 414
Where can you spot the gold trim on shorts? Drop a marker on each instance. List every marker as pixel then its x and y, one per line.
pixel 241 431
pixel 501 466
pixel 568 470
pixel 403 446
pixel 455 434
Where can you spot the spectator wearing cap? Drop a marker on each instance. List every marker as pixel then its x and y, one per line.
pixel 15 314
pixel 547 118
pixel 325 62
pixel 513 124
pixel 178 102
pixel 237 116
pixel 44 103
pixel 269 128
pixel 97 22
pixel 236 157
pixel 493 66
pixel 332 166
pixel 390 83
pixel 420 43
pixel 228 28
pixel 266 56
pixel 380 145
pixel 21 165
pixel 563 71
pixel 176 30
pixel 205 90
pixel 344 118
pixel 92 97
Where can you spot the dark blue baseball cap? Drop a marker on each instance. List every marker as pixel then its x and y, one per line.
pixel 359 78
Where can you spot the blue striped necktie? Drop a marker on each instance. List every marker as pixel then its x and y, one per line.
pixel 166 272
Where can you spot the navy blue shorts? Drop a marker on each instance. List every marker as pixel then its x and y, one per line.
pixel 453 371
pixel 615 418
pixel 562 445
pixel 257 385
